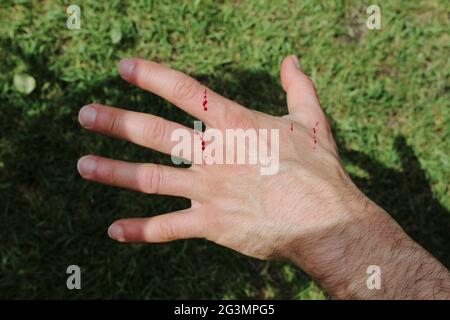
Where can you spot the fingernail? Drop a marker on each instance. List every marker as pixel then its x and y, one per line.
pixel 126 67
pixel 87 116
pixel 86 165
pixel 296 62
pixel 115 232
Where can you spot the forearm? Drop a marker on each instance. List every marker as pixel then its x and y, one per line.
pixel 340 257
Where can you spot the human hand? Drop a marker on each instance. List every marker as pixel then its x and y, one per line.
pixel 233 205
pixel 299 213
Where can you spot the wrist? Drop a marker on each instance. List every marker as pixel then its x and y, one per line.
pixel 333 254
pixel 339 258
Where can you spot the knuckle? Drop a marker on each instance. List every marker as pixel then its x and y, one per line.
pixel 138 234
pixel 155 131
pixel 167 230
pixel 112 176
pixel 222 109
pixel 186 88
pixel 308 80
pixel 114 123
pixel 142 74
pixel 150 179
pixel 240 118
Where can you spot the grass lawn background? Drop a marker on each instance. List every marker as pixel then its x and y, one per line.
pixel 386 93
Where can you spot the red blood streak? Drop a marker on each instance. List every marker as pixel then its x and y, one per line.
pixel 203 146
pixel 203 141
pixel 314 134
pixel 205 102
pixel 292 127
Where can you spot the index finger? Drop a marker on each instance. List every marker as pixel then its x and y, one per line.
pixel 177 88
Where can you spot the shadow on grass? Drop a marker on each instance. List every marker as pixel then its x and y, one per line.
pixel 53 218
pixel 408 197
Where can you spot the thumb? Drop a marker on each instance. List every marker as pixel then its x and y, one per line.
pixel 302 100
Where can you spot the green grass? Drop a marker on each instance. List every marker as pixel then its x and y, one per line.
pixel 386 92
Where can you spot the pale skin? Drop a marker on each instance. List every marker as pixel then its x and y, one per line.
pixel 309 213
